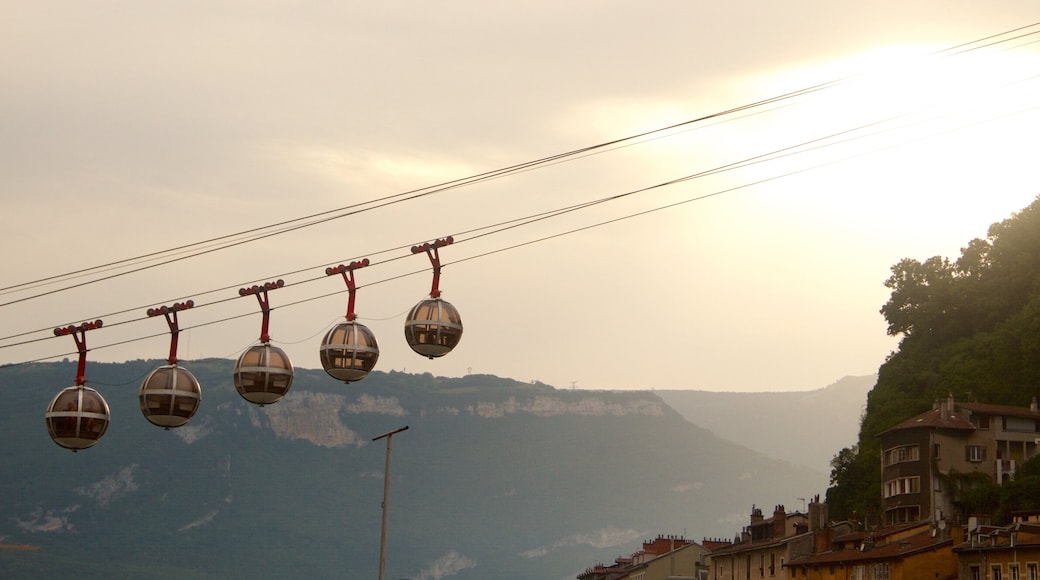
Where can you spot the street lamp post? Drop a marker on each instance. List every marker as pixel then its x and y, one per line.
pixel 386 496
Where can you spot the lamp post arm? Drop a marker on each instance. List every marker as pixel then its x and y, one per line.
pixel 386 496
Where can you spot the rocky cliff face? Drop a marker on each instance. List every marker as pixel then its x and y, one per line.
pixel 321 418
pixel 324 418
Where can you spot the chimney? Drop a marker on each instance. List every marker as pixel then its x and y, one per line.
pixel 756 514
pixel 779 522
pixel 822 540
pixel 817 514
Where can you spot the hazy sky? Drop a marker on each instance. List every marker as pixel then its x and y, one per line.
pixel 130 128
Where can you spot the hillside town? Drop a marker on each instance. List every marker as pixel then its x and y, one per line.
pixel 921 532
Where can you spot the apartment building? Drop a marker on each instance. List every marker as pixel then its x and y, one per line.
pixel 925 458
pixel 764 545
pixel 665 557
pixel 906 552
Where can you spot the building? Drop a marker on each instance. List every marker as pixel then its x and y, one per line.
pixel 665 562
pixel 663 558
pixel 925 458
pixel 765 545
pixel 907 552
pixel 1009 552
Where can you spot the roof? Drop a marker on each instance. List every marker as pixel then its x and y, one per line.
pixel 894 551
pixel 934 419
pixel 954 415
pixel 1001 410
pixel 881 532
pixel 736 548
pixel 1028 537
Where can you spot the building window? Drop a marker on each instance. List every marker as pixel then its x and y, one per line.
pixel 901 454
pixel 859 572
pixel 902 485
pixel 976 574
pixel 1013 572
pixel 1019 424
pixel 903 515
pixel 995 572
pixel 1031 571
pixel 976 453
pixel 881 572
pixel 772 564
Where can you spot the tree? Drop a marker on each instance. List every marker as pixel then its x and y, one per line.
pixel 850 491
pixel 969 327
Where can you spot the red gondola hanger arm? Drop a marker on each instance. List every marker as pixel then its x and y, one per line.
pixel 79 334
pixel 348 277
pixel 170 313
pixel 260 291
pixel 431 249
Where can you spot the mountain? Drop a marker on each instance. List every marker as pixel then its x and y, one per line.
pixel 806 428
pixel 494 478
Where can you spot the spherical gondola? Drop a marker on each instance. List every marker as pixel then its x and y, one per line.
pixel 433 327
pixel 263 374
pixel 349 351
pixel 77 417
pixel 169 396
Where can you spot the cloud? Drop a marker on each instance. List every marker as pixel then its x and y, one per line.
pixel 112 487
pixel 602 538
pixel 447 565
pixel 607 537
pixel 539 552
pixel 685 487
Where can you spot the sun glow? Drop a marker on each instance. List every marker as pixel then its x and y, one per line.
pixel 917 136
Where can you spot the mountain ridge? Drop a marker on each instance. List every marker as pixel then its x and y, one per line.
pixel 494 477
pixel 784 424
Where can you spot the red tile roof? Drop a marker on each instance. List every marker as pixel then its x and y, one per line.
pixel 893 551
pixel 935 419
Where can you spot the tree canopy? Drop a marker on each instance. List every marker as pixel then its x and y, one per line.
pixel 969 327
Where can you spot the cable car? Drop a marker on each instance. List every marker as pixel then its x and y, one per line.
pixel 349 351
pixel 169 396
pixel 77 417
pixel 433 327
pixel 263 374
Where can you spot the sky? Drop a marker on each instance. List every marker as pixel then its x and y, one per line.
pixel 129 129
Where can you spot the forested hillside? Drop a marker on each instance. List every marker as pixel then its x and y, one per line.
pixel 969 326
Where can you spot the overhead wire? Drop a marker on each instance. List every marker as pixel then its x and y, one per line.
pixel 509 224
pixel 262 232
